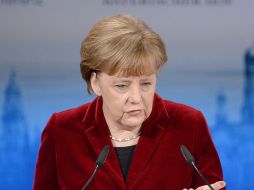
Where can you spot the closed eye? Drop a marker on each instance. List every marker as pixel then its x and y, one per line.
pixel 121 86
pixel 146 83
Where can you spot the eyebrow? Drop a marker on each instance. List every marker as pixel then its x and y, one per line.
pixel 145 79
pixel 128 81
pixel 122 80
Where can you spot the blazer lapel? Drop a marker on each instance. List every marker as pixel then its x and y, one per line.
pixel 152 131
pixel 97 133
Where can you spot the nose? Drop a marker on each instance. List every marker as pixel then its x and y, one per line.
pixel 135 95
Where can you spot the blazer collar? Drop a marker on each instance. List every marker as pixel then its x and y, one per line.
pixel 152 130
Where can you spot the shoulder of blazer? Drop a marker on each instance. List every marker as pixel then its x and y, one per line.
pixel 181 111
pixel 70 118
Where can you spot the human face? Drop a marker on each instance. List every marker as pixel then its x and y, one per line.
pixel 127 101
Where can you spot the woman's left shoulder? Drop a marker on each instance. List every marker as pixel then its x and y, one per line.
pixel 175 108
pixel 185 117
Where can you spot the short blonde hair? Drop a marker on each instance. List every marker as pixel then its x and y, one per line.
pixel 121 45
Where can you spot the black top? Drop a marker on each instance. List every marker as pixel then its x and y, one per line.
pixel 125 155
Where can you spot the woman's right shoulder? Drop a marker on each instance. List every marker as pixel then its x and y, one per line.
pixel 69 118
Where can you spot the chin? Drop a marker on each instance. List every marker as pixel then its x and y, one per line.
pixel 134 123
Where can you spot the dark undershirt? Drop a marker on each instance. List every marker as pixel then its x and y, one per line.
pixel 125 155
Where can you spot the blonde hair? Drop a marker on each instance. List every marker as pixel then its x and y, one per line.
pixel 121 45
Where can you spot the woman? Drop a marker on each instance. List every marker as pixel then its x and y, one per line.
pixel 120 59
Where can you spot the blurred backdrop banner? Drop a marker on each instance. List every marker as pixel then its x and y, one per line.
pixel 210 45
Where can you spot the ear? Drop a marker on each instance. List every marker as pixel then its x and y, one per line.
pixel 95 84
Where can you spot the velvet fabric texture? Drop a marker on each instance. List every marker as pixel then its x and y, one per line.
pixel 73 139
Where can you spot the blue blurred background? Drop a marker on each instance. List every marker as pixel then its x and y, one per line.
pixel 210 45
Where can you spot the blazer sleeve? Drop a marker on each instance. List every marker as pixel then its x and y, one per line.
pixel 45 171
pixel 206 156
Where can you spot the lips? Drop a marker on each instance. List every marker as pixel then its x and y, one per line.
pixel 134 112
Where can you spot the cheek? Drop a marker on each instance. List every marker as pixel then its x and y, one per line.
pixel 148 102
pixel 115 103
pixel 118 105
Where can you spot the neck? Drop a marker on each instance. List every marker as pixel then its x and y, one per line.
pixel 117 129
pixel 123 134
pixel 121 131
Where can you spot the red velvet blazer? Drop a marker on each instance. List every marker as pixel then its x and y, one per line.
pixel 73 139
